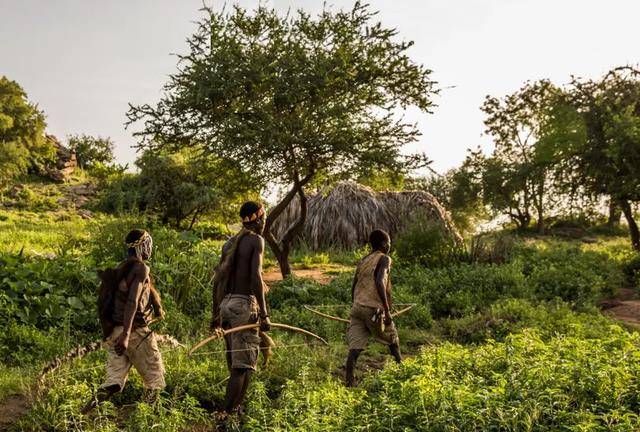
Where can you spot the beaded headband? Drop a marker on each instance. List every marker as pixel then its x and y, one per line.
pixel 254 216
pixel 138 242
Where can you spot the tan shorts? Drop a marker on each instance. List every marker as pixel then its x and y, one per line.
pixel 144 355
pixel 361 328
pixel 242 347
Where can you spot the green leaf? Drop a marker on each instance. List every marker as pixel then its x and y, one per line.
pixel 75 303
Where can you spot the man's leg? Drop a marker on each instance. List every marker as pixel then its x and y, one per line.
pixel 103 394
pixel 227 341
pixel 351 365
pixel 117 371
pixel 236 388
pixel 394 348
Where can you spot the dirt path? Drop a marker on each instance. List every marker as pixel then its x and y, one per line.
pixel 272 275
pixel 624 307
pixel 11 409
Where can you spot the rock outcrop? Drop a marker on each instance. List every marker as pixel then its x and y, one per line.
pixel 65 163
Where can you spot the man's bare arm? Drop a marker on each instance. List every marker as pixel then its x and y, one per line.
pixel 215 300
pixel 353 286
pixel 140 275
pixel 381 273
pixel 257 284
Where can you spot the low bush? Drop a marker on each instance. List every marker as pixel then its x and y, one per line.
pixel 569 272
pixel 511 316
pixel 49 293
pixel 424 242
pixel 631 270
pixel 525 383
pixel 461 289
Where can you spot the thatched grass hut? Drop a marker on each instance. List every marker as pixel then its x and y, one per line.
pixel 342 216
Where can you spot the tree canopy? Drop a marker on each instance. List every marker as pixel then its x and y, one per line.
pixel 23 145
pixel 607 161
pixel 291 100
pixel 91 150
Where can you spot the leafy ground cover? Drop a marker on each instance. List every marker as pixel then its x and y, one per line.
pixel 512 346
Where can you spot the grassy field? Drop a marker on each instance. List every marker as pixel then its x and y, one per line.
pixel 517 345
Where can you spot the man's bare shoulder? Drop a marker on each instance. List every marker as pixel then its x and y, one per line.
pixel 227 245
pixel 255 240
pixel 141 269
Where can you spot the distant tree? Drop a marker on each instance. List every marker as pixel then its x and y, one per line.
pixel 91 151
pixel 607 161
pixel 183 188
pixel 292 100
pixel 459 190
pixel 23 146
pixel 382 179
pixel 517 177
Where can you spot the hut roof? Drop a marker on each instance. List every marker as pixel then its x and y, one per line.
pixel 343 215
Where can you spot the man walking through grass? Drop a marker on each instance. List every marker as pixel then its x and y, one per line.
pixel 126 305
pixel 371 297
pixel 239 299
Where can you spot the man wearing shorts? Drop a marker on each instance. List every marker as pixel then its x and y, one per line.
pixel 371 296
pixel 239 299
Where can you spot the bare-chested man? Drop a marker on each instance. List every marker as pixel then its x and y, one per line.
pixel 371 296
pixel 125 317
pixel 239 299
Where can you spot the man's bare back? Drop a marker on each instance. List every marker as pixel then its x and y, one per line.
pixel 246 278
pixel 247 265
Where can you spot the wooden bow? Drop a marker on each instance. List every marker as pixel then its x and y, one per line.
pixel 219 332
pixel 335 318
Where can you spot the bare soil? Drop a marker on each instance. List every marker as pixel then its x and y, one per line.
pixel 272 275
pixel 625 306
pixel 11 409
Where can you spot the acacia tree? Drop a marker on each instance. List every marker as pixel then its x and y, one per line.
pixel 607 161
pixel 517 177
pixel 291 99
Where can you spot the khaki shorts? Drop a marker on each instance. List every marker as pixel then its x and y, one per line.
pixel 361 328
pixel 144 355
pixel 242 347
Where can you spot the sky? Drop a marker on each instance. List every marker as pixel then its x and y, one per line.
pixel 84 61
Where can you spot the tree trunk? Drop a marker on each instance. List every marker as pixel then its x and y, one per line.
pixel 614 214
pixel 633 226
pixel 281 248
pixel 193 219
pixel 540 206
pixel 522 219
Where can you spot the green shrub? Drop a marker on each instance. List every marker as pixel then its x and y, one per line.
pixel 511 316
pixel 525 383
pixel 631 270
pixel 22 345
pixel 49 293
pixel 425 242
pixel 461 289
pixel 27 199
pixel 121 194
pixel 568 272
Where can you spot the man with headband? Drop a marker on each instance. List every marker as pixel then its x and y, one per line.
pixel 239 299
pixel 128 312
